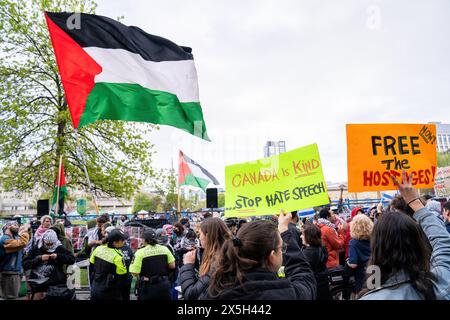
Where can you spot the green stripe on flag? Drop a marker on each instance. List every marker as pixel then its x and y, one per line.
pixel 132 102
pixel 62 194
pixel 191 180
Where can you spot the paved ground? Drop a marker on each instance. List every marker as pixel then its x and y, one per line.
pixel 84 294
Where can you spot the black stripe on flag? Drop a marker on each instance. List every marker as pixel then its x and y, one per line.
pixel 206 172
pixel 104 32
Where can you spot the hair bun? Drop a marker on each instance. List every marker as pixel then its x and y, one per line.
pixel 237 242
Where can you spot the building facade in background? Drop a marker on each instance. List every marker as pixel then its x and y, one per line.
pixel 24 203
pixel 19 201
pixel 274 147
pixel 442 136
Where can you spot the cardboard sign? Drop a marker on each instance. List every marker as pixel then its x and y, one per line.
pixel 290 181
pixel 442 182
pixel 375 151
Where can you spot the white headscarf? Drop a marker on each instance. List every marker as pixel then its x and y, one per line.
pixel 49 236
pixel 8 225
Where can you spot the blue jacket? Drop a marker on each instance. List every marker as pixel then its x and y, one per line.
pixel 11 252
pixel 398 287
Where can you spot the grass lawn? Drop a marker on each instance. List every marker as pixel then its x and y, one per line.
pixel 84 277
pixel 78 222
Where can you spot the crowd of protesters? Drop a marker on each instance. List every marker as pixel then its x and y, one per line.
pixel 286 258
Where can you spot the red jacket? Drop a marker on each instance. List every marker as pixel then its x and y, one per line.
pixel 333 243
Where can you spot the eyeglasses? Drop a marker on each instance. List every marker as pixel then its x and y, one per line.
pixel 283 247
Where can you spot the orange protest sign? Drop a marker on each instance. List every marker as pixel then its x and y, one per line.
pixel 375 151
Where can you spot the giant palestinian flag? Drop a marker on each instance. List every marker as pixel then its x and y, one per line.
pixel 191 173
pixel 112 71
pixel 61 182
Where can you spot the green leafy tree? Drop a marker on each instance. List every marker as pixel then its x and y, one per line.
pixel 143 201
pixel 221 200
pixel 35 123
pixel 167 186
pixel 195 200
pixel 443 159
pixel 186 204
pixel 200 205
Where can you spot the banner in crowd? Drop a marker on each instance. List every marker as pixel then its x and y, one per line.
pixel 135 236
pixel 376 151
pixel 290 181
pixel 76 234
pixel 442 182
pixel 81 206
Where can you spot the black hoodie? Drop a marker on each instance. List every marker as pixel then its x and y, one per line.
pixel 50 272
pixel 263 284
pixel 317 258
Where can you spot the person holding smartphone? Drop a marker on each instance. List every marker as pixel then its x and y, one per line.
pixel 188 243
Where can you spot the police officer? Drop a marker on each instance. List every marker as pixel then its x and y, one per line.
pixel 109 268
pixel 151 265
pixel 127 252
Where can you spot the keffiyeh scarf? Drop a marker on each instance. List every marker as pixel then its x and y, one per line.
pixel 49 237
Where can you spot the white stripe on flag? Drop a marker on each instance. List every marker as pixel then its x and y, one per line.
pixel 306 213
pixel 197 172
pixel 387 196
pixel 122 66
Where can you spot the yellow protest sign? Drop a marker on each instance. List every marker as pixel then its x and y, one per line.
pixel 290 181
pixel 376 151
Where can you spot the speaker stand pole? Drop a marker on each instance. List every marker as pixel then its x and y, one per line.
pixel 81 155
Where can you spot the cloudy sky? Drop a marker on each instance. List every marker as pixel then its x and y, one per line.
pixel 299 71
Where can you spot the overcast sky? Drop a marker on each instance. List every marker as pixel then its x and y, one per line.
pixel 299 71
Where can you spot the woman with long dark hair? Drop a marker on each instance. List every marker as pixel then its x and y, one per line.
pixel 213 234
pixel 411 268
pixel 247 266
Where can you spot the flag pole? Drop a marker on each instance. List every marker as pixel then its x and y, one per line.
pixel 178 206
pixel 179 188
pixel 81 155
pixel 58 186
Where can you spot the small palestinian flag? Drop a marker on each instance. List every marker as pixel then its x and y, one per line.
pixel 111 71
pixel 191 173
pixel 61 179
